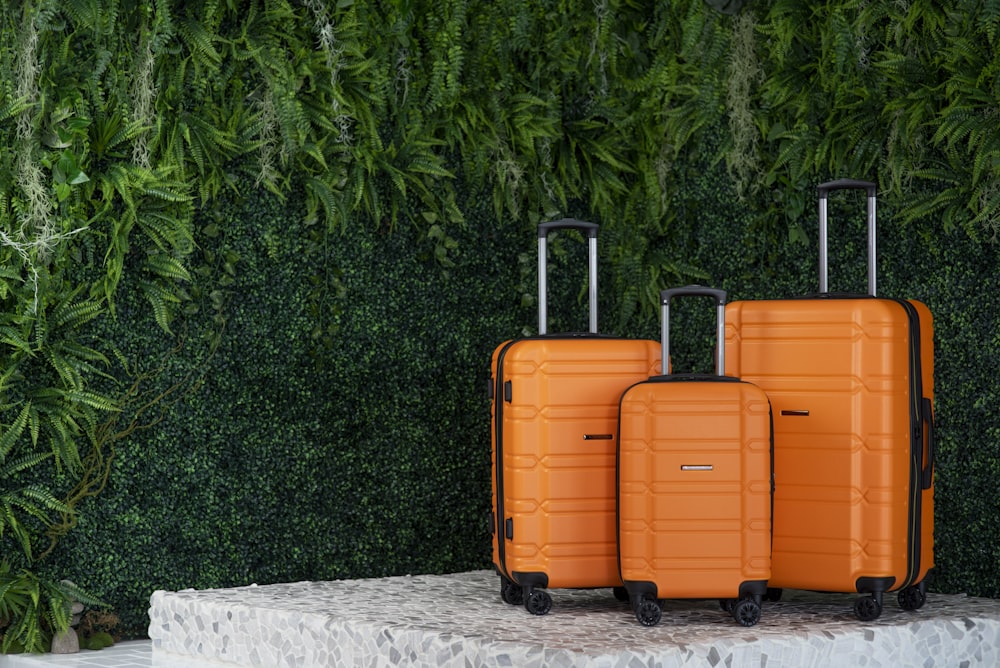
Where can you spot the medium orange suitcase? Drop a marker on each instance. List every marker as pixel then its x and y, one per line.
pixel 850 380
pixel 554 415
pixel 694 486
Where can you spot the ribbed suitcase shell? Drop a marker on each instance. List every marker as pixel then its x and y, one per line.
pixel 853 503
pixel 555 404
pixel 694 498
pixel 851 385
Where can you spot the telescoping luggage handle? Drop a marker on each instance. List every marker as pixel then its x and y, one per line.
pixel 720 304
pixel 824 191
pixel 925 407
pixel 590 229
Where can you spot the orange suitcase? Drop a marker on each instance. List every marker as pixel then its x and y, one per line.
pixel 554 413
pixel 694 486
pixel 850 380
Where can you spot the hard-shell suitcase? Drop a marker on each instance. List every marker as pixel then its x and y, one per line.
pixel 554 415
pixel 694 486
pixel 850 378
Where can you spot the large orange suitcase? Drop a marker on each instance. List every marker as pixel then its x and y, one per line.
pixel 850 380
pixel 694 486
pixel 554 415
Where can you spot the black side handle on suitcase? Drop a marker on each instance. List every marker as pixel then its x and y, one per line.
pixel 824 190
pixel 927 474
pixel 695 291
pixel 590 229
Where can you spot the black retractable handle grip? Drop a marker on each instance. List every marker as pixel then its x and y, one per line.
pixel 590 229
pixel 824 190
pixel 846 184
pixel 695 291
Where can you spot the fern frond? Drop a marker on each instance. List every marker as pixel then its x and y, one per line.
pixel 320 194
pixel 15 339
pixel 86 14
pixel 119 181
pixel 167 266
pixel 85 356
pixel 199 40
pixel 14 431
pixel 927 206
pixel 430 167
pixel 74 592
pixel 23 462
pixel 63 366
pixel 14 107
pixel 989 18
pixel 161 299
pixel 73 314
pixel 37 501
pixel 165 228
pixel 94 400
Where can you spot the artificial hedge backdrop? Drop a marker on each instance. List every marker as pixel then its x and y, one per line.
pixel 371 457
pixel 257 254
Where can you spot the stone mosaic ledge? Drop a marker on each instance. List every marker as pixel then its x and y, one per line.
pixel 458 620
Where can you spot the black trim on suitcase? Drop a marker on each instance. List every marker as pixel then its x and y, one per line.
pixel 917 402
pixel 753 589
pixel 498 440
pixel 531 579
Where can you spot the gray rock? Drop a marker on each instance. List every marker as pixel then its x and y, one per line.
pixel 66 642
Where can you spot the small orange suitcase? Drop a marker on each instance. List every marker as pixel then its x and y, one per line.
pixel 554 415
pixel 850 378
pixel 695 486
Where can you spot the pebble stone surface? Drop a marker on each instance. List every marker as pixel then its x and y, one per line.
pixel 458 620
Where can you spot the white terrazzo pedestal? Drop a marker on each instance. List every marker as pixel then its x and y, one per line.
pixel 459 620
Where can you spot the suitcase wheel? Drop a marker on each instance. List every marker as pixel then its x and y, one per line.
pixel 538 602
pixel 746 612
pixel 510 592
pixel 911 598
pixel 773 594
pixel 648 612
pixel 727 605
pixel 621 594
pixel 867 608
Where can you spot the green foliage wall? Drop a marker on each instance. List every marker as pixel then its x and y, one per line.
pixel 295 460
pixel 336 204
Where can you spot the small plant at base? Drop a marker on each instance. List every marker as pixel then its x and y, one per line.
pixel 96 629
pixel 33 608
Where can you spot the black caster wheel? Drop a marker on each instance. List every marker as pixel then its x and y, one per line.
pixel 648 612
pixel 773 594
pixel 510 592
pixel 727 605
pixel 538 602
pixel 746 612
pixel 621 594
pixel 867 608
pixel 911 598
